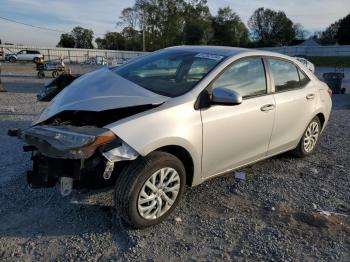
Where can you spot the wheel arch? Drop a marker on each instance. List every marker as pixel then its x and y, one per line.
pixel 322 119
pixel 184 156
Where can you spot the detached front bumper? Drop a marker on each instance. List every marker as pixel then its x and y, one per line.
pixel 47 171
pixel 74 157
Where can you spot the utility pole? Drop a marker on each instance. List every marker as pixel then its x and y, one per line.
pixel 143 32
pixel 143 40
pixel 2 89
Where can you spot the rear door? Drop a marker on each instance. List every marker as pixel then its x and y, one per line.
pixel 239 134
pixel 295 97
pixel 31 55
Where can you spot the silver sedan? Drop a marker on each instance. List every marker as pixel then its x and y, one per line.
pixel 175 117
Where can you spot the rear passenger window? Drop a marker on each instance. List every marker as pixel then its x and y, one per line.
pixel 247 77
pixel 285 75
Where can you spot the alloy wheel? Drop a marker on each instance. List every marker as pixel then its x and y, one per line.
pixel 311 136
pixel 158 193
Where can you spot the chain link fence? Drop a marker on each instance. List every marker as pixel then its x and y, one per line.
pixel 75 55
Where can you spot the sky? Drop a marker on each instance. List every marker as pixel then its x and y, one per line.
pixel 101 15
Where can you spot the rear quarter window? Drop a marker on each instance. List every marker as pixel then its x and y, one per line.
pixel 304 79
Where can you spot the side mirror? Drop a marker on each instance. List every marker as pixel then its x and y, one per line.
pixel 224 96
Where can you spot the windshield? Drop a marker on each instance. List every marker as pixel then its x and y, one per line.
pixel 170 72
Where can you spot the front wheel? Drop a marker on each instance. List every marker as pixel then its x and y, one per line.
pixel 55 74
pixel 41 74
pixel 149 188
pixel 309 140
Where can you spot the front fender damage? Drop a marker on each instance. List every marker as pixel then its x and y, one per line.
pixel 99 169
pixel 121 153
pixel 81 166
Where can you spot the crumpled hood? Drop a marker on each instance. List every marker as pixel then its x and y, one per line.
pixel 98 91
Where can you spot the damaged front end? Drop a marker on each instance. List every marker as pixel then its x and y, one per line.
pixel 73 156
pixel 69 142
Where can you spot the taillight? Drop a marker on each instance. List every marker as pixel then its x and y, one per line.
pixel 330 93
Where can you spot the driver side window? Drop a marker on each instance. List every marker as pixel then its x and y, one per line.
pixel 247 77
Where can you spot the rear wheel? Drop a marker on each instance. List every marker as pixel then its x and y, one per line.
pixel 55 74
pixel 148 189
pixel 41 74
pixel 36 60
pixel 309 140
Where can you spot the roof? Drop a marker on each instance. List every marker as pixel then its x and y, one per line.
pixel 218 50
pixel 227 51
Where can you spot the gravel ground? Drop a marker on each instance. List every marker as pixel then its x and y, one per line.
pixel 274 214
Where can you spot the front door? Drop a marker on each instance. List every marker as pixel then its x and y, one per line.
pixel 240 134
pixel 22 55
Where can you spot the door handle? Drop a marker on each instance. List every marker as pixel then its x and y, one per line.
pixel 267 107
pixel 310 96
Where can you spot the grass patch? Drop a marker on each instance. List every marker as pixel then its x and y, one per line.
pixel 333 61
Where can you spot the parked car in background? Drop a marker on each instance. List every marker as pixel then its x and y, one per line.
pixel 175 117
pixel 24 55
pixel 306 63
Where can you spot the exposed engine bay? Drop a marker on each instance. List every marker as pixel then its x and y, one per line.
pixel 68 141
pixel 56 86
pixel 92 118
pixel 74 150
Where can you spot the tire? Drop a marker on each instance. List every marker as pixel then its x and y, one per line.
pixel 304 148
pixel 41 74
pixel 12 59
pixel 131 189
pixel 36 60
pixel 55 74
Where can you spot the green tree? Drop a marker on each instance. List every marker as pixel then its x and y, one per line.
pixel 329 36
pixel 133 39
pixel 228 29
pixel 66 40
pixel 129 18
pixel 111 41
pixel 132 28
pixel 114 41
pixel 197 28
pixel 271 27
pixel 162 20
pixel 159 22
pixel 101 43
pixel 83 37
pixel 343 34
pixel 300 32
